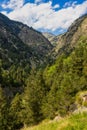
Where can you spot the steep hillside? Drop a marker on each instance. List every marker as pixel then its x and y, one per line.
pixel 66 42
pixel 28 95
pixel 50 37
pixel 21 44
pixel 54 40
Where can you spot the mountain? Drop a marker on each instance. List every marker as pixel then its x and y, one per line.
pixel 22 44
pixel 29 95
pixel 51 37
pixel 67 41
pixel 54 40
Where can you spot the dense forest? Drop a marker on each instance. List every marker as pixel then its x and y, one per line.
pixel 39 80
pixel 27 97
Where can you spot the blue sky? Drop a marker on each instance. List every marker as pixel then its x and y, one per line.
pixel 53 16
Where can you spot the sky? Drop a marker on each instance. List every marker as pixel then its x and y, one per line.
pixel 54 16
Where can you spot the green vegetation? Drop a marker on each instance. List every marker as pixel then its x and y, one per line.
pixel 74 122
pixel 43 94
pixel 32 90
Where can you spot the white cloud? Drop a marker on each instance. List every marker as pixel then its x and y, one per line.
pixel 56 6
pixel 70 3
pixel 13 4
pixel 44 17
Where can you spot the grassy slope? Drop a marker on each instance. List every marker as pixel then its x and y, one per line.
pixel 74 122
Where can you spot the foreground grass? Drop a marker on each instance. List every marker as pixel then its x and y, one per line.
pixel 74 122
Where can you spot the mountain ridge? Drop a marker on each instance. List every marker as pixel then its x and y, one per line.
pixel 15 35
pixel 68 41
pixel 39 81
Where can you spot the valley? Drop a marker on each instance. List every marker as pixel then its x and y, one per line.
pixel 42 76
